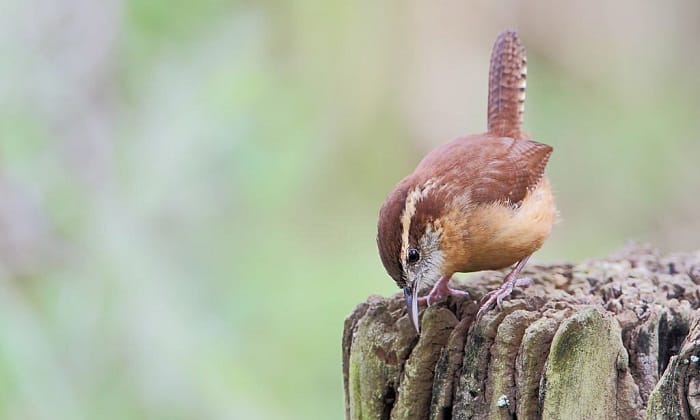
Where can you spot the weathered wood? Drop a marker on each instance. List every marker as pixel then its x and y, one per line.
pixel 606 339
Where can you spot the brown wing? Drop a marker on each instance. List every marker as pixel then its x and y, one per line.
pixel 490 168
pixel 511 168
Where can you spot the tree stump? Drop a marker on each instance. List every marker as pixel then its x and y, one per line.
pixel 606 339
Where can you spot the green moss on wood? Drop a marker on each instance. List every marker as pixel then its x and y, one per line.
pixel 532 356
pixel 416 387
pixel 582 368
pixel 558 353
pixel 502 389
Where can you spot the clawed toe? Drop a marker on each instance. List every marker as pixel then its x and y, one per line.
pixel 486 303
pixel 501 296
pixel 440 294
pixel 496 296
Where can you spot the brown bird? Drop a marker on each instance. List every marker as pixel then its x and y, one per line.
pixel 479 202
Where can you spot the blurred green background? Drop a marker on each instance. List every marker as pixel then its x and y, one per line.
pixel 189 190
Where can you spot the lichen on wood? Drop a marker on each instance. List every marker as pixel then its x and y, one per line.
pixel 610 338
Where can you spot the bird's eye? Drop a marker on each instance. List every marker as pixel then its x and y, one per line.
pixel 413 255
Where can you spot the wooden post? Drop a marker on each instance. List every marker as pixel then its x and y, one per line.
pixel 606 339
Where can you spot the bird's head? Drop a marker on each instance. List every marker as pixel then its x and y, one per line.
pixel 409 235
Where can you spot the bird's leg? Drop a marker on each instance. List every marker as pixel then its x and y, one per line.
pixel 441 291
pixel 496 296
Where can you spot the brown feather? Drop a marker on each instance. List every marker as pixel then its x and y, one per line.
pixel 507 82
pixel 496 235
pixel 389 230
pixel 488 168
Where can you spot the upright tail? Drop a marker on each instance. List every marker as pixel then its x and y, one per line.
pixel 507 81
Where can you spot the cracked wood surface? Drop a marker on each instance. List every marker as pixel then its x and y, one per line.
pixel 609 338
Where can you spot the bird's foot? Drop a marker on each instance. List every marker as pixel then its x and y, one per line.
pixel 496 296
pixel 441 291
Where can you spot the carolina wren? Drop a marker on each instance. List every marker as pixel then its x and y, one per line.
pixel 479 202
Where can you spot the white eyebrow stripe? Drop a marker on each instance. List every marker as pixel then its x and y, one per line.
pixel 412 198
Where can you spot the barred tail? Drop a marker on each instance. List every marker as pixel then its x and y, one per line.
pixel 507 81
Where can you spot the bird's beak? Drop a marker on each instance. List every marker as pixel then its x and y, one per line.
pixel 410 292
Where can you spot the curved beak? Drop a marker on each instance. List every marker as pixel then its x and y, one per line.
pixel 410 293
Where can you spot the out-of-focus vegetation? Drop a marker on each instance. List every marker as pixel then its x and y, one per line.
pixel 189 190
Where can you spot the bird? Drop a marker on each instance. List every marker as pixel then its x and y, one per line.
pixel 479 202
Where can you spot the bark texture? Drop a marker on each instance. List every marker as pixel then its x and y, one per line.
pixel 606 339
